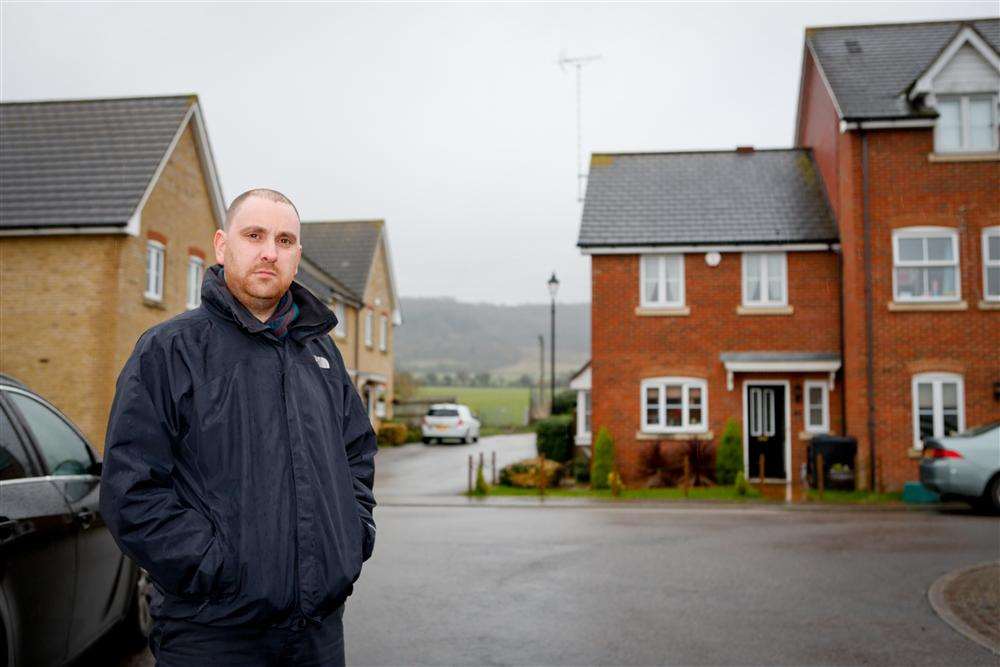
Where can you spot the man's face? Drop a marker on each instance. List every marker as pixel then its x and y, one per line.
pixel 260 250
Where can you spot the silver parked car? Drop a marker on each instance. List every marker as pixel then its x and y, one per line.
pixel 966 465
pixel 452 421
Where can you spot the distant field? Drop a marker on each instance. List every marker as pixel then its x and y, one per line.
pixel 497 406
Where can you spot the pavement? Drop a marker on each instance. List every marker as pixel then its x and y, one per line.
pixel 968 599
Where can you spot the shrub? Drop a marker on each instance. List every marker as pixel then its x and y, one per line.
pixel 729 458
pixel 581 470
pixel 524 473
pixel 414 434
pixel 391 434
pixel 564 403
pixel 615 482
pixel 482 488
pixel 742 486
pixel 604 459
pixel 555 438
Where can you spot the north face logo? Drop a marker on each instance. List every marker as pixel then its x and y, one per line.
pixel 322 362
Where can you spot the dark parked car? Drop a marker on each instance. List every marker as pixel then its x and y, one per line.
pixel 64 583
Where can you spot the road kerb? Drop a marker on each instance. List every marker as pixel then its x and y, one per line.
pixel 937 597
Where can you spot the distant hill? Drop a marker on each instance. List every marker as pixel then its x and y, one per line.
pixel 444 335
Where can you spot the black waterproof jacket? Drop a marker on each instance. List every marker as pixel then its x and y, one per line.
pixel 238 467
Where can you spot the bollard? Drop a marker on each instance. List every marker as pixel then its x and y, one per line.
pixel 760 483
pixel 494 456
pixel 687 476
pixel 540 476
pixel 470 473
pixel 820 474
pixel 480 459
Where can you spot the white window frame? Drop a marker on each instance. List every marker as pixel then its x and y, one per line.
pixel 988 263
pixel 383 333
pixel 340 331
pixel 965 124
pixel 662 281
pixel 196 272
pixel 763 277
pixel 156 256
pixel 936 380
pixel 925 233
pixel 824 387
pixel 686 384
pixel 369 325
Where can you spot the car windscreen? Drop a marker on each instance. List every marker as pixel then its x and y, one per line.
pixel 442 412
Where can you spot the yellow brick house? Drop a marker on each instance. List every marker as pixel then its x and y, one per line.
pixel 107 212
pixel 354 259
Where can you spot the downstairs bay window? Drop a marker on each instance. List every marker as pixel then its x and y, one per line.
pixel 674 405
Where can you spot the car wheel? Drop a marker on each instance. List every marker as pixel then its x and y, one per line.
pixel 468 437
pixel 991 499
pixel 139 621
pixel 426 441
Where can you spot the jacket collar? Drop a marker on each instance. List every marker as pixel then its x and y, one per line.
pixel 314 319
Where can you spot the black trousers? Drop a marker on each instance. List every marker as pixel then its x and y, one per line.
pixel 177 643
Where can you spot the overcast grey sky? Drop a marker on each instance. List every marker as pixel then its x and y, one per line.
pixel 450 121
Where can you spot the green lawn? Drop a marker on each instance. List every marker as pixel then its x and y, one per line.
pixel 700 493
pixel 855 497
pixel 496 406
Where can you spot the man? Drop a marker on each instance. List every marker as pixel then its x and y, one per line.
pixel 238 465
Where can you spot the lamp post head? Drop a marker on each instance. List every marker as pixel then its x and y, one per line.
pixel 553 285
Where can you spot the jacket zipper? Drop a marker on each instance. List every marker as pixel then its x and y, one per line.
pixel 291 462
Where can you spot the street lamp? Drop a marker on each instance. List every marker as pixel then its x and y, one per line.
pixel 553 289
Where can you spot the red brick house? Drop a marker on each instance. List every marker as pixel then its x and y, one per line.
pixel 849 285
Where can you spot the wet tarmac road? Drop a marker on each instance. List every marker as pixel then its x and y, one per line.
pixel 468 584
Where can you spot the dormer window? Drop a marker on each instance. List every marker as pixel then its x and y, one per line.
pixel 966 123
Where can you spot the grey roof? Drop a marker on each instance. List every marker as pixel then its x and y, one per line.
pixel 344 250
pixel 320 289
pixel 871 76
pixel 770 196
pixel 779 356
pixel 83 162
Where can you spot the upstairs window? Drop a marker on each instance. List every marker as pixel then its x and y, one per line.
pixel 674 405
pixel 991 264
pixel 368 328
pixel 196 271
pixel 966 123
pixel 383 333
pixel 155 252
pixel 925 264
pixel 765 279
pixel 340 331
pixel 662 281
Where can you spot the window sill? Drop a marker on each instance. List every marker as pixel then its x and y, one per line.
pixel 764 310
pixel 910 306
pixel 649 311
pixel 915 453
pixel 978 156
pixel 153 303
pixel 583 439
pixel 989 305
pixel 692 435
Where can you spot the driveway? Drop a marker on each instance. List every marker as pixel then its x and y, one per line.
pixel 417 470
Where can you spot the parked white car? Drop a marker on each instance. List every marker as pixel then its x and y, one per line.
pixel 452 421
pixel 965 466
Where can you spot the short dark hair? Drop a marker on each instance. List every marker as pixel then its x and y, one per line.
pixel 263 193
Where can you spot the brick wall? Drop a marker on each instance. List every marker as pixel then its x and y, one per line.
pixel 905 189
pixel 372 359
pixel 626 347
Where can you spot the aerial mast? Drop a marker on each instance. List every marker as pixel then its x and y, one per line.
pixel 578 63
